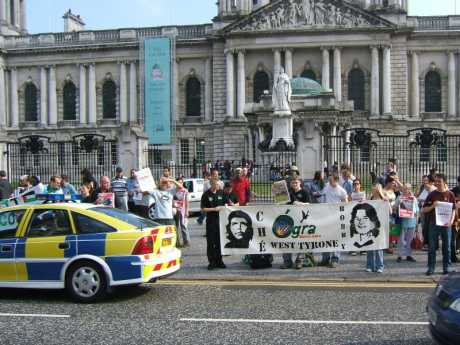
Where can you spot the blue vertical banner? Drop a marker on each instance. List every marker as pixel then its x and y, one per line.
pixel 157 57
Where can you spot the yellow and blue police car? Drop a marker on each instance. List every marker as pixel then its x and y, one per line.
pixel 84 248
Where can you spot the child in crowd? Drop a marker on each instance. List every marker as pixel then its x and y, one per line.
pixel 407 207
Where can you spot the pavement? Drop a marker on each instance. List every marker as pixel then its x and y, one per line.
pixel 350 269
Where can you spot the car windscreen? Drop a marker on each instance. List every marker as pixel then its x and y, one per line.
pixel 126 217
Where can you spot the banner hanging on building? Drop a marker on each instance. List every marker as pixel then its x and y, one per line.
pixel 316 228
pixel 157 56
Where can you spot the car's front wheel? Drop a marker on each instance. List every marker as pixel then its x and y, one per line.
pixel 151 212
pixel 86 282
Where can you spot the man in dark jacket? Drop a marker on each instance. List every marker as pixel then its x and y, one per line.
pixel 6 189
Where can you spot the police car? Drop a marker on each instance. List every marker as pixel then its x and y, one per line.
pixel 83 248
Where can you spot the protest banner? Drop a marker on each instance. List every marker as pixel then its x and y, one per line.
pixel 145 180
pixel 280 192
pixel 407 207
pixel 443 212
pixel 279 229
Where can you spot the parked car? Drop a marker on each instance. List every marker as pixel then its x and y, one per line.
pixel 444 310
pixel 195 187
pixel 83 248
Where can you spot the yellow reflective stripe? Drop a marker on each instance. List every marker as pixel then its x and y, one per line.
pixel 121 243
pixel 8 271
pixel 45 247
pixel 21 269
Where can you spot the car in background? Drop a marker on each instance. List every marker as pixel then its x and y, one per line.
pixel 83 248
pixel 195 187
pixel 444 310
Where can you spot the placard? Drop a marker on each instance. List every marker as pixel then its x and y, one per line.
pixel 443 212
pixel 145 180
pixel 280 192
pixel 407 207
pixel 106 199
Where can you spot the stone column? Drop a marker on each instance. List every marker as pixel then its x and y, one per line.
pixel 208 90
pixel 43 96
pixel 415 85
pixel 133 92
pixel 241 84
pixel 7 11
pixel 3 12
pixel 92 106
pixel 176 89
pixel 325 80
pixel 82 90
pixel 230 84
pixel 2 97
pixel 14 98
pixel 17 14
pixel 276 62
pixel 375 82
pixel 338 74
pixel 288 62
pixel 52 97
pixel 23 15
pixel 123 93
pixel 451 84
pixel 386 80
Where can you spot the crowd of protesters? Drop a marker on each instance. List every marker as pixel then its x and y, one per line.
pixel 334 185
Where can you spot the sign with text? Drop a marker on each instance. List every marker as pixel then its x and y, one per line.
pixel 443 212
pixel 157 56
pixel 316 228
pixel 407 207
pixel 145 179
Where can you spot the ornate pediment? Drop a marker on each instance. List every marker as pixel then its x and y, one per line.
pixel 307 14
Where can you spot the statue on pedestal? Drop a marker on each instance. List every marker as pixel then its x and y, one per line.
pixel 282 92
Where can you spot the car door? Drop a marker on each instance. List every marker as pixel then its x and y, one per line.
pixel 9 228
pixel 49 243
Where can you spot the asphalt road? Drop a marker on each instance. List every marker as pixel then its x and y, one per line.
pixel 220 313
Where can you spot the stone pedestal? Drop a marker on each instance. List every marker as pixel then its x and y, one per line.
pixel 283 129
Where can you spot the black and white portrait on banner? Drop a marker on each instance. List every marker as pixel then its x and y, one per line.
pixel 364 225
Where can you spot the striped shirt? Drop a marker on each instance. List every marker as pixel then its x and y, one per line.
pixel 120 186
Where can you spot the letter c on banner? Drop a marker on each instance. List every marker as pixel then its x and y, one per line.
pixel 260 216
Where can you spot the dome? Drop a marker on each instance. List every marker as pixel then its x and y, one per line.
pixel 305 86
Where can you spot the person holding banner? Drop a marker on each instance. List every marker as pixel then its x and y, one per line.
pixel 439 208
pixel 333 194
pixel 298 196
pixel 163 197
pixel 211 202
pixel 407 207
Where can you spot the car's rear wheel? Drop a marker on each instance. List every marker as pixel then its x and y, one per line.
pixel 86 282
pixel 151 212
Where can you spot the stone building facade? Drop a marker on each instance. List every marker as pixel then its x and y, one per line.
pixel 380 69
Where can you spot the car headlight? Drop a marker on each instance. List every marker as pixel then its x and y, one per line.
pixel 456 305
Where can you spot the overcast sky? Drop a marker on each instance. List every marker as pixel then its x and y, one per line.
pixel 46 15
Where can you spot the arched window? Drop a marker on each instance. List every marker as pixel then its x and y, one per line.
pixel 432 92
pixel 109 99
pixel 309 73
pixel 261 83
pixel 70 101
pixel 193 97
pixel 356 88
pixel 30 100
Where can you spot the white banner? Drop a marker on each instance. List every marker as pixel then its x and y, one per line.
pixel 316 228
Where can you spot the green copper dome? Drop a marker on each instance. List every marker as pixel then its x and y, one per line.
pixel 305 86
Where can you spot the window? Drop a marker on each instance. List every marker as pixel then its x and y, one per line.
pixel 433 92
pixel 200 150
pixel 126 217
pixel 9 222
pixel 184 151
pixel 46 223
pixel 30 100
pixel 193 97
pixel 70 101
pixel 261 83
pixel 308 73
pixel 356 88
pixel 87 225
pixel 109 100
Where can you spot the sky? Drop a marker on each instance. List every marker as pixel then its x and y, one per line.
pixel 46 15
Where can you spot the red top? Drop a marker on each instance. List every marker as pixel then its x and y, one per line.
pixel 240 186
